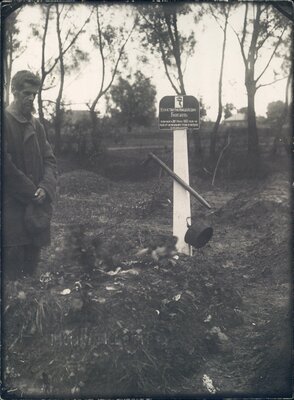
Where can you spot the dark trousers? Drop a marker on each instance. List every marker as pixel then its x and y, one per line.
pixel 19 261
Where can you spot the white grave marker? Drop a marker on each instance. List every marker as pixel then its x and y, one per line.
pixel 179 113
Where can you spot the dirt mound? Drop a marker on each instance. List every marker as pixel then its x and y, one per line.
pixel 82 182
pixel 117 312
pixel 161 317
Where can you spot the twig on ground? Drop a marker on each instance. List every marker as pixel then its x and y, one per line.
pixel 219 159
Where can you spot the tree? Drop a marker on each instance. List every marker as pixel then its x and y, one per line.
pixel 221 14
pixel 243 110
pixel 266 25
pixel 110 40
pixel 66 45
pixel 135 102
pixel 274 112
pixel 12 49
pixel 287 67
pixel 159 23
pixel 228 108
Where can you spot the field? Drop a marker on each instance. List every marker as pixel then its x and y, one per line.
pixel 114 311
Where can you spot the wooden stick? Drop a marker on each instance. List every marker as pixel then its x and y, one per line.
pixel 180 181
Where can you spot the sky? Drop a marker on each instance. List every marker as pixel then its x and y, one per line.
pixel 201 74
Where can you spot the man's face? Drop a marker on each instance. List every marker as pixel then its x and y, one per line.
pixel 25 98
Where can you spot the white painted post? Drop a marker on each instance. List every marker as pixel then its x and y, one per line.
pixel 181 197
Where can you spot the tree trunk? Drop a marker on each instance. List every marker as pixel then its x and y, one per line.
pixel 8 66
pixel 95 134
pixel 198 152
pixel 253 143
pixel 283 118
pixel 58 110
pixel 41 112
pixel 57 132
pixel 220 106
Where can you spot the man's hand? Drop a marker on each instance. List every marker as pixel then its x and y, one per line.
pixel 40 195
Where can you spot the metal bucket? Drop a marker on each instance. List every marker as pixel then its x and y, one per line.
pixel 198 234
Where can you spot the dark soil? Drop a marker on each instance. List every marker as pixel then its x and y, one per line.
pixel 114 311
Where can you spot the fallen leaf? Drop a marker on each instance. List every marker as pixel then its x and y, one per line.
pixel 21 295
pixel 111 273
pixel 142 252
pixel 110 288
pixel 208 318
pixel 177 297
pixel 130 271
pixel 65 292
pixel 100 300
pixel 208 384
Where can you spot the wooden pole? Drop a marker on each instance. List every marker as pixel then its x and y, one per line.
pixel 180 181
pixel 181 197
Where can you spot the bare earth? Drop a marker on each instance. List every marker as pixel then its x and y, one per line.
pixel 114 311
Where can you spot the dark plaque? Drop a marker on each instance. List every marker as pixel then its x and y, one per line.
pixel 179 112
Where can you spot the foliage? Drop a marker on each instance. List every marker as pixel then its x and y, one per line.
pixel 203 111
pixel 274 111
pixel 58 64
pixel 160 25
pixel 263 28
pixel 134 101
pixel 228 108
pixel 243 110
pixel 13 48
pixel 110 40
pixel 221 14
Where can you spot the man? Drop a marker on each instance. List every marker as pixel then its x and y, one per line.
pixel 29 181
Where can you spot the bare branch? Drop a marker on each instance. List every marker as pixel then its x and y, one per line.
pixel 163 57
pixel 254 37
pixel 244 29
pixel 261 43
pixel 48 101
pixel 220 157
pixel 44 73
pixel 64 104
pixel 241 46
pixel 215 16
pixel 67 35
pixel 64 17
pixel 19 54
pixel 272 55
pixel 170 32
pixel 103 90
pixel 175 47
pixel 271 83
pixel 102 60
pixel 118 59
pixel 71 43
pixel 48 88
pixel 162 41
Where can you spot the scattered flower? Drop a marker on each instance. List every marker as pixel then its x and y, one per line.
pixel 65 292
pixel 110 288
pixel 177 297
pixel 21 295
pixel 130 271
pixel 208 384
pixel 208 318
pixel 111 273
